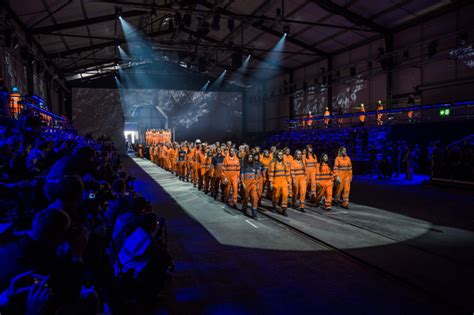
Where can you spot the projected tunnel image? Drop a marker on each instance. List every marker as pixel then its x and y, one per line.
pixel 193 114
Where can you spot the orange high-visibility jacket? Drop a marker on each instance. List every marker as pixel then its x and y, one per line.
pixel 310 162
pixel 343 166
pixel 230 166
pixel 278 173
pixel 324 173
pixel 297 168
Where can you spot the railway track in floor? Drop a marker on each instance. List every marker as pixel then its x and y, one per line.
pixel 441 300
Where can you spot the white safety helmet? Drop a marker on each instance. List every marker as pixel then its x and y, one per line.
pixel 198 141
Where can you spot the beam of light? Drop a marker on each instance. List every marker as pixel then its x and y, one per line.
pixel 238 75
pixel 273 58
pixel 123 55
pixel 204 88
pixel 218 83
pixel 138 46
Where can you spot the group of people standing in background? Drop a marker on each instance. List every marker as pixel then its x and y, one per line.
pixel 287 179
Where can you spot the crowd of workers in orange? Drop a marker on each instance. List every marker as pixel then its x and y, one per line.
pixel 284 178
pixel 156 136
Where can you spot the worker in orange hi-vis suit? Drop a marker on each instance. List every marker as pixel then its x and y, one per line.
pixel 151 152
pixel 231 173
pixel 161 155
pixel 206 170
pixel 175 159
pixel 198 155
pixel 362 117
pixel 279 176
pixel 265 160
pixel 311 161
pixel 166 161
pixel 248 176
pixel 343 174
pixel 181 162
pixel 326 117
pixel 260 176
pixel 156 154
pixel 140 150
pixel 190 163
pixel 309 122
pixel 216 172
pixel 287 159
pixel 379 114
pixel 299 181
pixel 325 178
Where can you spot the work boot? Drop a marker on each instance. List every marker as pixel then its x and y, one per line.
pixel 302 210
pixel 284 212
pixel 345 205
pixel 327 207
pixel 254 214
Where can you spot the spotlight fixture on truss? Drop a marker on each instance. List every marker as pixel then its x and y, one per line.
pixel 118 12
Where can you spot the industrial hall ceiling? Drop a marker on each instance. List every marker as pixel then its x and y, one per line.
pixel 82 37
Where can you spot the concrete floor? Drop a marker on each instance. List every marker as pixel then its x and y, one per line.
pixel 228 263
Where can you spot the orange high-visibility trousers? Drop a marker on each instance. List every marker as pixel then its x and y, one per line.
pixel 299 189
pixel 325 190
pixel 196 171
pixel 260 186
pixel 206 179
pixel 280 190
pixel 182 168
pixel 344 188
pixel 250 192
pixel 232 183
pixel 311 181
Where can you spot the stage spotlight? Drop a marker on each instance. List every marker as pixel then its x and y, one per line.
pixel 231 24
pixel 286 29
pixel 118 12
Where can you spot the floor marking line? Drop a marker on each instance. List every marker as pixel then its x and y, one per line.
pixel 251 224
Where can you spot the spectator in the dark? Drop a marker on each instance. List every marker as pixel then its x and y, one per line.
pixel 120 203
pixel 68 195
pixel 36 160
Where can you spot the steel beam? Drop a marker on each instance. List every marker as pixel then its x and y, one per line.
pixel 352 17
pixel 84 22
pixel 80 50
